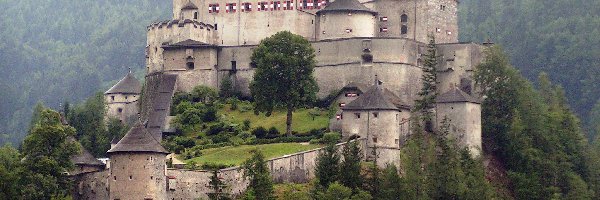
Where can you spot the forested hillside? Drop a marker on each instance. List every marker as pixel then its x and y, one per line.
pixel 559 37
pixel 66 50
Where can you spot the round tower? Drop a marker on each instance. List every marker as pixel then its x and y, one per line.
pixel 345 19
pixel 462 113
pixel 137 166
pixel 121 99
pixel 189 11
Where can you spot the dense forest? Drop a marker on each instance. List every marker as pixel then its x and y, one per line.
pixel 559 37
pixel 53 51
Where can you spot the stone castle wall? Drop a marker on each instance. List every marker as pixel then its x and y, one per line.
pixel 465 124
pixel 137 176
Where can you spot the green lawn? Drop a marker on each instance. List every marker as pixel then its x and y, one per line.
pixel 236 155
pixel 302 121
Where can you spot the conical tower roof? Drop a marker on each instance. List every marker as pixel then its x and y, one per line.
pixel 138 139
pixel 127 85
pixel 374 99
pixel 346 5
pixel 189 6
pixel 456 96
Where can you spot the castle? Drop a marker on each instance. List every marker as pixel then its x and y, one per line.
pixel 368 55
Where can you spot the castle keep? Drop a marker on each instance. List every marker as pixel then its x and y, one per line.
pixel 368 55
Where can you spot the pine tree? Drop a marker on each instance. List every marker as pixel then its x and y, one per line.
pixel 217 187
pixel 327 169
pixel 256 170
pixel 391 184
pixel 429 79
pixel 350 166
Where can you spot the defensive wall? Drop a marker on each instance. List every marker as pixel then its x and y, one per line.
pixel 193 184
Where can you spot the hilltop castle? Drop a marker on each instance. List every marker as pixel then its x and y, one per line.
pixel 368 55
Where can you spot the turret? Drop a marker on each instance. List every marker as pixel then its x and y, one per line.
pixel 121 99
pixel 345 19
pixel 138 168
pixel 189 11
pixel 377 115
pixel 462 112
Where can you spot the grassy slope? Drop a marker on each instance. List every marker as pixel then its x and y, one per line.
pixel 302 122
pixel 236 155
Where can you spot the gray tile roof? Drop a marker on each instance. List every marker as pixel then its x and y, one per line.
pixel 456 96
pixel 189 6
pixel 127 85
pixel 84 157
pixel 397 101
pixel 138 139
pixel 160 100
pixel 346 5
pixel 374 99
pixel 356 86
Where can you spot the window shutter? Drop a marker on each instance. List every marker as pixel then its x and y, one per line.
pixel 217 6
pixel 292 5
pixel 310 4
pixel 210 8
pixel 234 7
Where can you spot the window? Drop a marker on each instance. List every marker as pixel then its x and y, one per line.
pixel 246 7
pixel 397 141
pixel 349 13
pixel 306 4
pixel 130 177
pixel 351 94
pixel 216 27
pixel 383 30
pixel 404 29
pixel 125 96
pixel 276 5
pixel 404 18
pixel 438 30
pixel 115 178
pixel 374 140
pixel 383 19
pixel 442 7
pixel 233 65
pixel 288 5
pixel 230 7
pixel 342 105
pixel 120 110
pixel 112 98
pixel 263 6
pixel 322 3
pixel 449 32
pixel 213 8
pixel 195 15
pixel 348 30
pixel 338 117
pixel 190 65
pixel 375 114
pixel 357 115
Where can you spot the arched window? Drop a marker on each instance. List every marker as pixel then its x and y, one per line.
pixel 404 18
pixel 404 29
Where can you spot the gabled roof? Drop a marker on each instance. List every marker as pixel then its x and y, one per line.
pixel 346 5
pixel 138 139
pixel 456 96
pixel 373 99
pixel 189 43
pixel 189 6
pixel 84 157
pixel 127 85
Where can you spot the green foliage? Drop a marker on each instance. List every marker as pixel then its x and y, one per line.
pixel 203 94
pixel 327 170
pixel 88 120
pixel 350 166
pixel 226 88
pixel 429 80
pixel 341 192
pixel 47 151
pixel 283 78
pixel 257 172
pixel 50 54
pixel 9 172
pixel 331 138
pixel 217 186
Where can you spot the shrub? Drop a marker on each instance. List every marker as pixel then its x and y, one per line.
pixel 331 137
pixel 184 142
pixel 215 129
pixel 260 132
pixel 236 141
pixel 273 133
pixel 220 138
pixel 210 114
pixel 246 125
pixel 234 105
pixel 245 107
pixel 214 166
pixel 203 94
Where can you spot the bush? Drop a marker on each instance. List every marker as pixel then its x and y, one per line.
pixel 331 137
pixel 281 140
pixel 260 132
pixel 236 141
pixel 215 129
pixel 214 166
pixel 234 105
pixel 273 133
pixel 184 142
pixel 220 138
pixel 245 107
pixel 203 94
pixel 210 114
pixel 246 125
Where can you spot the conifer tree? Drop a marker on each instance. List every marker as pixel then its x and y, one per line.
pixel 350 166
pixel 373 180
pixel 256 170
pixel 217 187
pixel 391 184
pixel 429 79
pixel 327 169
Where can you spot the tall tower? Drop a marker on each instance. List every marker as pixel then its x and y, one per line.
pixel 137 167
pixel 345 19
pixel 121 99
pixel 463 113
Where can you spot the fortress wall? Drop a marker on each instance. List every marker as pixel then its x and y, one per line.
pixel 457 62
pixel 392 10
pixel 204 58
pixel 187 80
pixel 332 25
pixel 239 28
pixel 91 186
pixel 137 176
pixel 170 32
pixel 445 19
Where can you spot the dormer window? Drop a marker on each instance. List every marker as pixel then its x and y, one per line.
pixel 351 95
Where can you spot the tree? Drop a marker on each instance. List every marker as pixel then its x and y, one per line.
pixel 47 151
pixel 226 90
pixel 217 186
pixel 339 191
pixel 256 170
pixel 283 78
pixel 391 184
pixel 88 119
pixel 350 166
pixel 327 169
pixel 10 168
pixel 429 79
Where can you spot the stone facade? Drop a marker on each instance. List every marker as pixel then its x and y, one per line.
pixel 137 176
